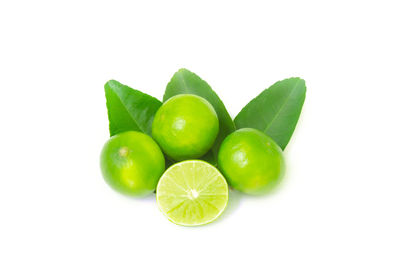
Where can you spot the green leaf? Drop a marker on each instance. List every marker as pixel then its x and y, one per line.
pixel 186 82
pixel 129 109
pixel 275 111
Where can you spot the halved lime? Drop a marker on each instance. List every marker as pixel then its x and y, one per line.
pixel 192 193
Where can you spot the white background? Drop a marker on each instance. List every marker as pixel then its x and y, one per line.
pixel 340 202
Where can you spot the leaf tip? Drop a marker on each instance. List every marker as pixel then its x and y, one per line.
pixel 298 80
pixel 294 78
pixel 110 83
pixel 183 70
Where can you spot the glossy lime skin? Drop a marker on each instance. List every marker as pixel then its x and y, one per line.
pixel 251 161
pixel 185 127
pixel 132 163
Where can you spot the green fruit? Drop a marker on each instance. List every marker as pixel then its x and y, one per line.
pixel 251 161
pixel 185 127
pixel 192 192
pixel 132 163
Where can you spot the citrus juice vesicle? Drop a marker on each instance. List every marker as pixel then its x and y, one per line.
pixel 192 193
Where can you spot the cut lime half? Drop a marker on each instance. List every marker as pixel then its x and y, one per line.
pixel 192 193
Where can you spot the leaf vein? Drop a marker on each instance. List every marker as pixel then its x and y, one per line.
pixel 281 108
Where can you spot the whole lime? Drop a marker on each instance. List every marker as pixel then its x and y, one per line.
pixel 132 163
pixel 185 127
pixel 251 161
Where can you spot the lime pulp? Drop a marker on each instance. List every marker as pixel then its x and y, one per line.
pixel 192 193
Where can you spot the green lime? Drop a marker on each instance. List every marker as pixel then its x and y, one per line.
pixel 132 163
pixel 251 161
pixel 185 127
pixel 192 193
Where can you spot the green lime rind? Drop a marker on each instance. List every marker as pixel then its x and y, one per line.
pixel 185 127
pixel 132 163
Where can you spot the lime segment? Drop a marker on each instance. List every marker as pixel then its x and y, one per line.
pixel 192 193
